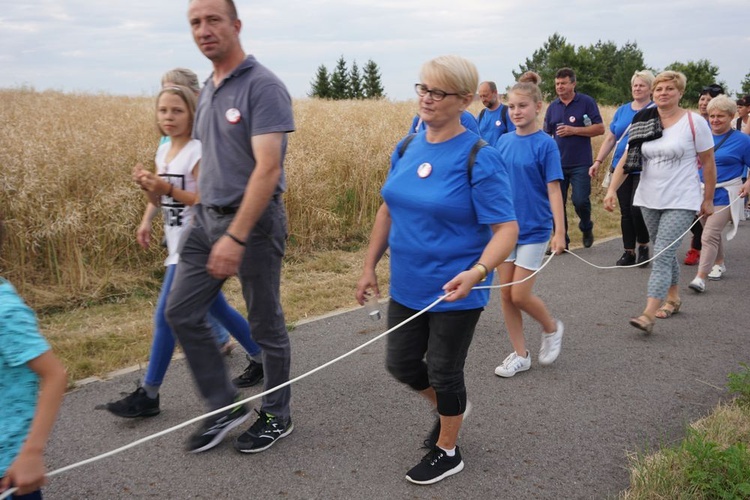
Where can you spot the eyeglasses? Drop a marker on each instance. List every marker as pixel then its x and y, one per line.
pixel 435 94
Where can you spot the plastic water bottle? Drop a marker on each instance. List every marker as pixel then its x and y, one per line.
pixel 586 120
pixel 372 306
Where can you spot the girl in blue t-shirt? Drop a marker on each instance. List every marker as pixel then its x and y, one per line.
pixel 533 162
pixel 32 384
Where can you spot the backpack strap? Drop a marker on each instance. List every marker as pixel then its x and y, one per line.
pixel 481 114
pixel 405 144
pixel 473 156
pixel 504 115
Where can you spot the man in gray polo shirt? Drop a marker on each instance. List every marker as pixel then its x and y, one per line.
pixel 240 227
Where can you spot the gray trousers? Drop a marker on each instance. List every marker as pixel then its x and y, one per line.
pixel 193 292
pixel 664 227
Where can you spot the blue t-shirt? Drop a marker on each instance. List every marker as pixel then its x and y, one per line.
pixel 20 342
pixel 440 223
pixel 620 123
pixel 732 160
pixel 532 161
pixel 575 150
pixel 492 125
pixel 467 120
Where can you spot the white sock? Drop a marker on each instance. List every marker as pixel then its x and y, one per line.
pixel 450 453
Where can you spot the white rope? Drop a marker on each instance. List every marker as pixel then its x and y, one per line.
pixel 234 404
pixel 678 240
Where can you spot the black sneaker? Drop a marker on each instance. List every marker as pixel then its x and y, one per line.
pixel 627 259
pixel 136 404
pixel 214 429
pixel 263 433
pixel 643 256
pixel 588 238
pixel 253 375
pixel 435 466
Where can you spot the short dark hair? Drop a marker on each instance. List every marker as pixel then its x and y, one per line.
pixel 744 101
pixel 566 73
pixel 713 90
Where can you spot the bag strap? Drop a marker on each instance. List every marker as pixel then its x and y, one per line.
pixel 481 114
pixel 692 128
pixel 716 148
pixel 504 115
pixel 469 163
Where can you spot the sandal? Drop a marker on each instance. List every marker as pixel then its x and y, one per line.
pixel 668 308
pixel 643 322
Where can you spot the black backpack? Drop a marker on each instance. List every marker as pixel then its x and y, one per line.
pixel 469 163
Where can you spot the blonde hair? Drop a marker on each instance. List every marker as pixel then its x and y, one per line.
pixel 679 80
pixel 182 76
pixel 453 73
pixel 722 104
pixel 645 75
pixel 529 89
pixel 184 93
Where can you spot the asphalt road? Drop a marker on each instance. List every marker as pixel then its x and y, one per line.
pixel 562 431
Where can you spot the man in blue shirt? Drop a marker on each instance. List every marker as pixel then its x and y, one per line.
pixel 572 120
pixel 493 119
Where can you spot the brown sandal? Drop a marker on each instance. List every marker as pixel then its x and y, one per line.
pixel 668 308
pixel 643 322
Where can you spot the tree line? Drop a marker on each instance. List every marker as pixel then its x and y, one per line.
pixel 603 70
pixel 344 83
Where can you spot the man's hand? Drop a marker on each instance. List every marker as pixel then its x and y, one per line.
pixel 225 257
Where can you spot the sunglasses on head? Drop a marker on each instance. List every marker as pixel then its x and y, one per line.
pixel 712 90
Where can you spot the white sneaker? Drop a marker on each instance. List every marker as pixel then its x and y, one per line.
pixel 551 345
pixel 697 285
pixel 717 271
pixel 513 364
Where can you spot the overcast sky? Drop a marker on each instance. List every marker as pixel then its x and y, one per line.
pixel 123 47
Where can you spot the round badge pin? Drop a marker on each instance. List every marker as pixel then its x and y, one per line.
pixel 572 119
pixel 424 170
pixel 498 123
pixel 233 115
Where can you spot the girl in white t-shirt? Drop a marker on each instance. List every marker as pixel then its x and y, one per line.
pixel 669 192
pixel 173 190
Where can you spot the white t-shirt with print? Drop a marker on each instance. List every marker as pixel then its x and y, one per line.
pixel 669 179
pixel 179 173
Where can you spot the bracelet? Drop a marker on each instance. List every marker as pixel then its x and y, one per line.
pixel 483 269
pixel 171 188
pixel 598 160
pixel 235 239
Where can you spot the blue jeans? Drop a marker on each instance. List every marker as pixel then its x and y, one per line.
pixel 260 277
pixel 162 346
pixel 577 178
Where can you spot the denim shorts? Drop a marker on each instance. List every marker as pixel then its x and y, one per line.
pixel 528 256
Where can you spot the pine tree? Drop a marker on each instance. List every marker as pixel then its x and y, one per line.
pixel 340 80
pixel 321 86
pixel 355 83
pixel 372 86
